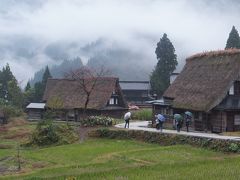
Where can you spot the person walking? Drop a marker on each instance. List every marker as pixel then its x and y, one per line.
pixel 178 121
pixel 188 119
pixel 127 117
pixel 159 121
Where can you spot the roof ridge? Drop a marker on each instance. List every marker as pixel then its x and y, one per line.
pixel 227 52
pixel 69 79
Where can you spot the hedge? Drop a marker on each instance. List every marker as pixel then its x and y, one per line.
pixel 169 139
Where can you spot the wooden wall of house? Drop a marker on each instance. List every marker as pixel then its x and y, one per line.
pixel 35 114
pixel 218 121
pixel 232 123
pixel 114 113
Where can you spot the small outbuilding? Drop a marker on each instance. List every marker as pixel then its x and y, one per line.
pixel 35 111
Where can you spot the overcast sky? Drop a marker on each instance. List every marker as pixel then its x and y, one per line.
pixel 29 28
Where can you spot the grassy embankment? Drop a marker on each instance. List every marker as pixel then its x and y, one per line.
pixel 112 159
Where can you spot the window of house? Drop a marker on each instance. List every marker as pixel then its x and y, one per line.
pixel 237 119
pixel 231 91
pixel 111 101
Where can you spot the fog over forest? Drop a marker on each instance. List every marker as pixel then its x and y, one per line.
pixel 37 33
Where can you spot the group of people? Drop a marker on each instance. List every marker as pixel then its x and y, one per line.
pixel 178 121
pixel 160 119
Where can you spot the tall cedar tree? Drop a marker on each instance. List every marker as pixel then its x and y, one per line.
pixel 10 91
pixel 167 62
pixel 40 86
pixel 233 39
pixel 28 86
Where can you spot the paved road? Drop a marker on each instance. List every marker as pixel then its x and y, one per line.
pixel 142 125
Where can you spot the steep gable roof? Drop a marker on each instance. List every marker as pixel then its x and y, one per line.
pixel 72 95
pixel 205 80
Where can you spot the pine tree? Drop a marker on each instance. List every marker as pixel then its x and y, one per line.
pixel 39 87
pixel 28 87
pixel 167 62
pixel 10 91
pixel 46 75
pixel 233 39
pixel 15 95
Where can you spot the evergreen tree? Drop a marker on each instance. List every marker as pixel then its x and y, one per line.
pixel 233 39
pixel 45 77
pixel 39 87
pixel 38 91
pixel 28 86
pixel 167 62
pixel 10 91
pixel 15 95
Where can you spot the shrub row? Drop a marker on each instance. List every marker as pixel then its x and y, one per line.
pixel 169 139
pixel 97 121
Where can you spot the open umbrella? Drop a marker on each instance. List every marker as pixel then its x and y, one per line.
pixel 161 117
pixel 178 117
pixel 189 113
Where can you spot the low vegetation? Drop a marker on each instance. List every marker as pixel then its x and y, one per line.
pixel 49 133
pixel 142 114
pixel 97 121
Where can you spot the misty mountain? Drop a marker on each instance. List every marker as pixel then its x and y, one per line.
pixel 123 63
pixel 58 71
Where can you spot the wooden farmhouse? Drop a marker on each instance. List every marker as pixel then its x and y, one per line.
pixel 136 92
pixel 208 86
pixel 69 97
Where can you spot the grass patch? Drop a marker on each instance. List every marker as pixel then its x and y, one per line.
pixel 124 159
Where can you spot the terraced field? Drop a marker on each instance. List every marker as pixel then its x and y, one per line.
pixel 112 159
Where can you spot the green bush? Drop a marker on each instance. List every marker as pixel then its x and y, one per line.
pixel 142 114
pixel 48 133
pixel 10 111
pixel 97 121
pixel 233 147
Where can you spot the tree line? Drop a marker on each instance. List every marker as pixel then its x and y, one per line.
pixel 12 95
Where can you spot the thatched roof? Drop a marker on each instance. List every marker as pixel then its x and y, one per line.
pixel 205 80
pixel 71 94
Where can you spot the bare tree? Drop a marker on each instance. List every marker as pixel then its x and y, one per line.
pixel 87 79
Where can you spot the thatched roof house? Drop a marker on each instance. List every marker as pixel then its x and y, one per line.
pixel 106 97
pixel 209 82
